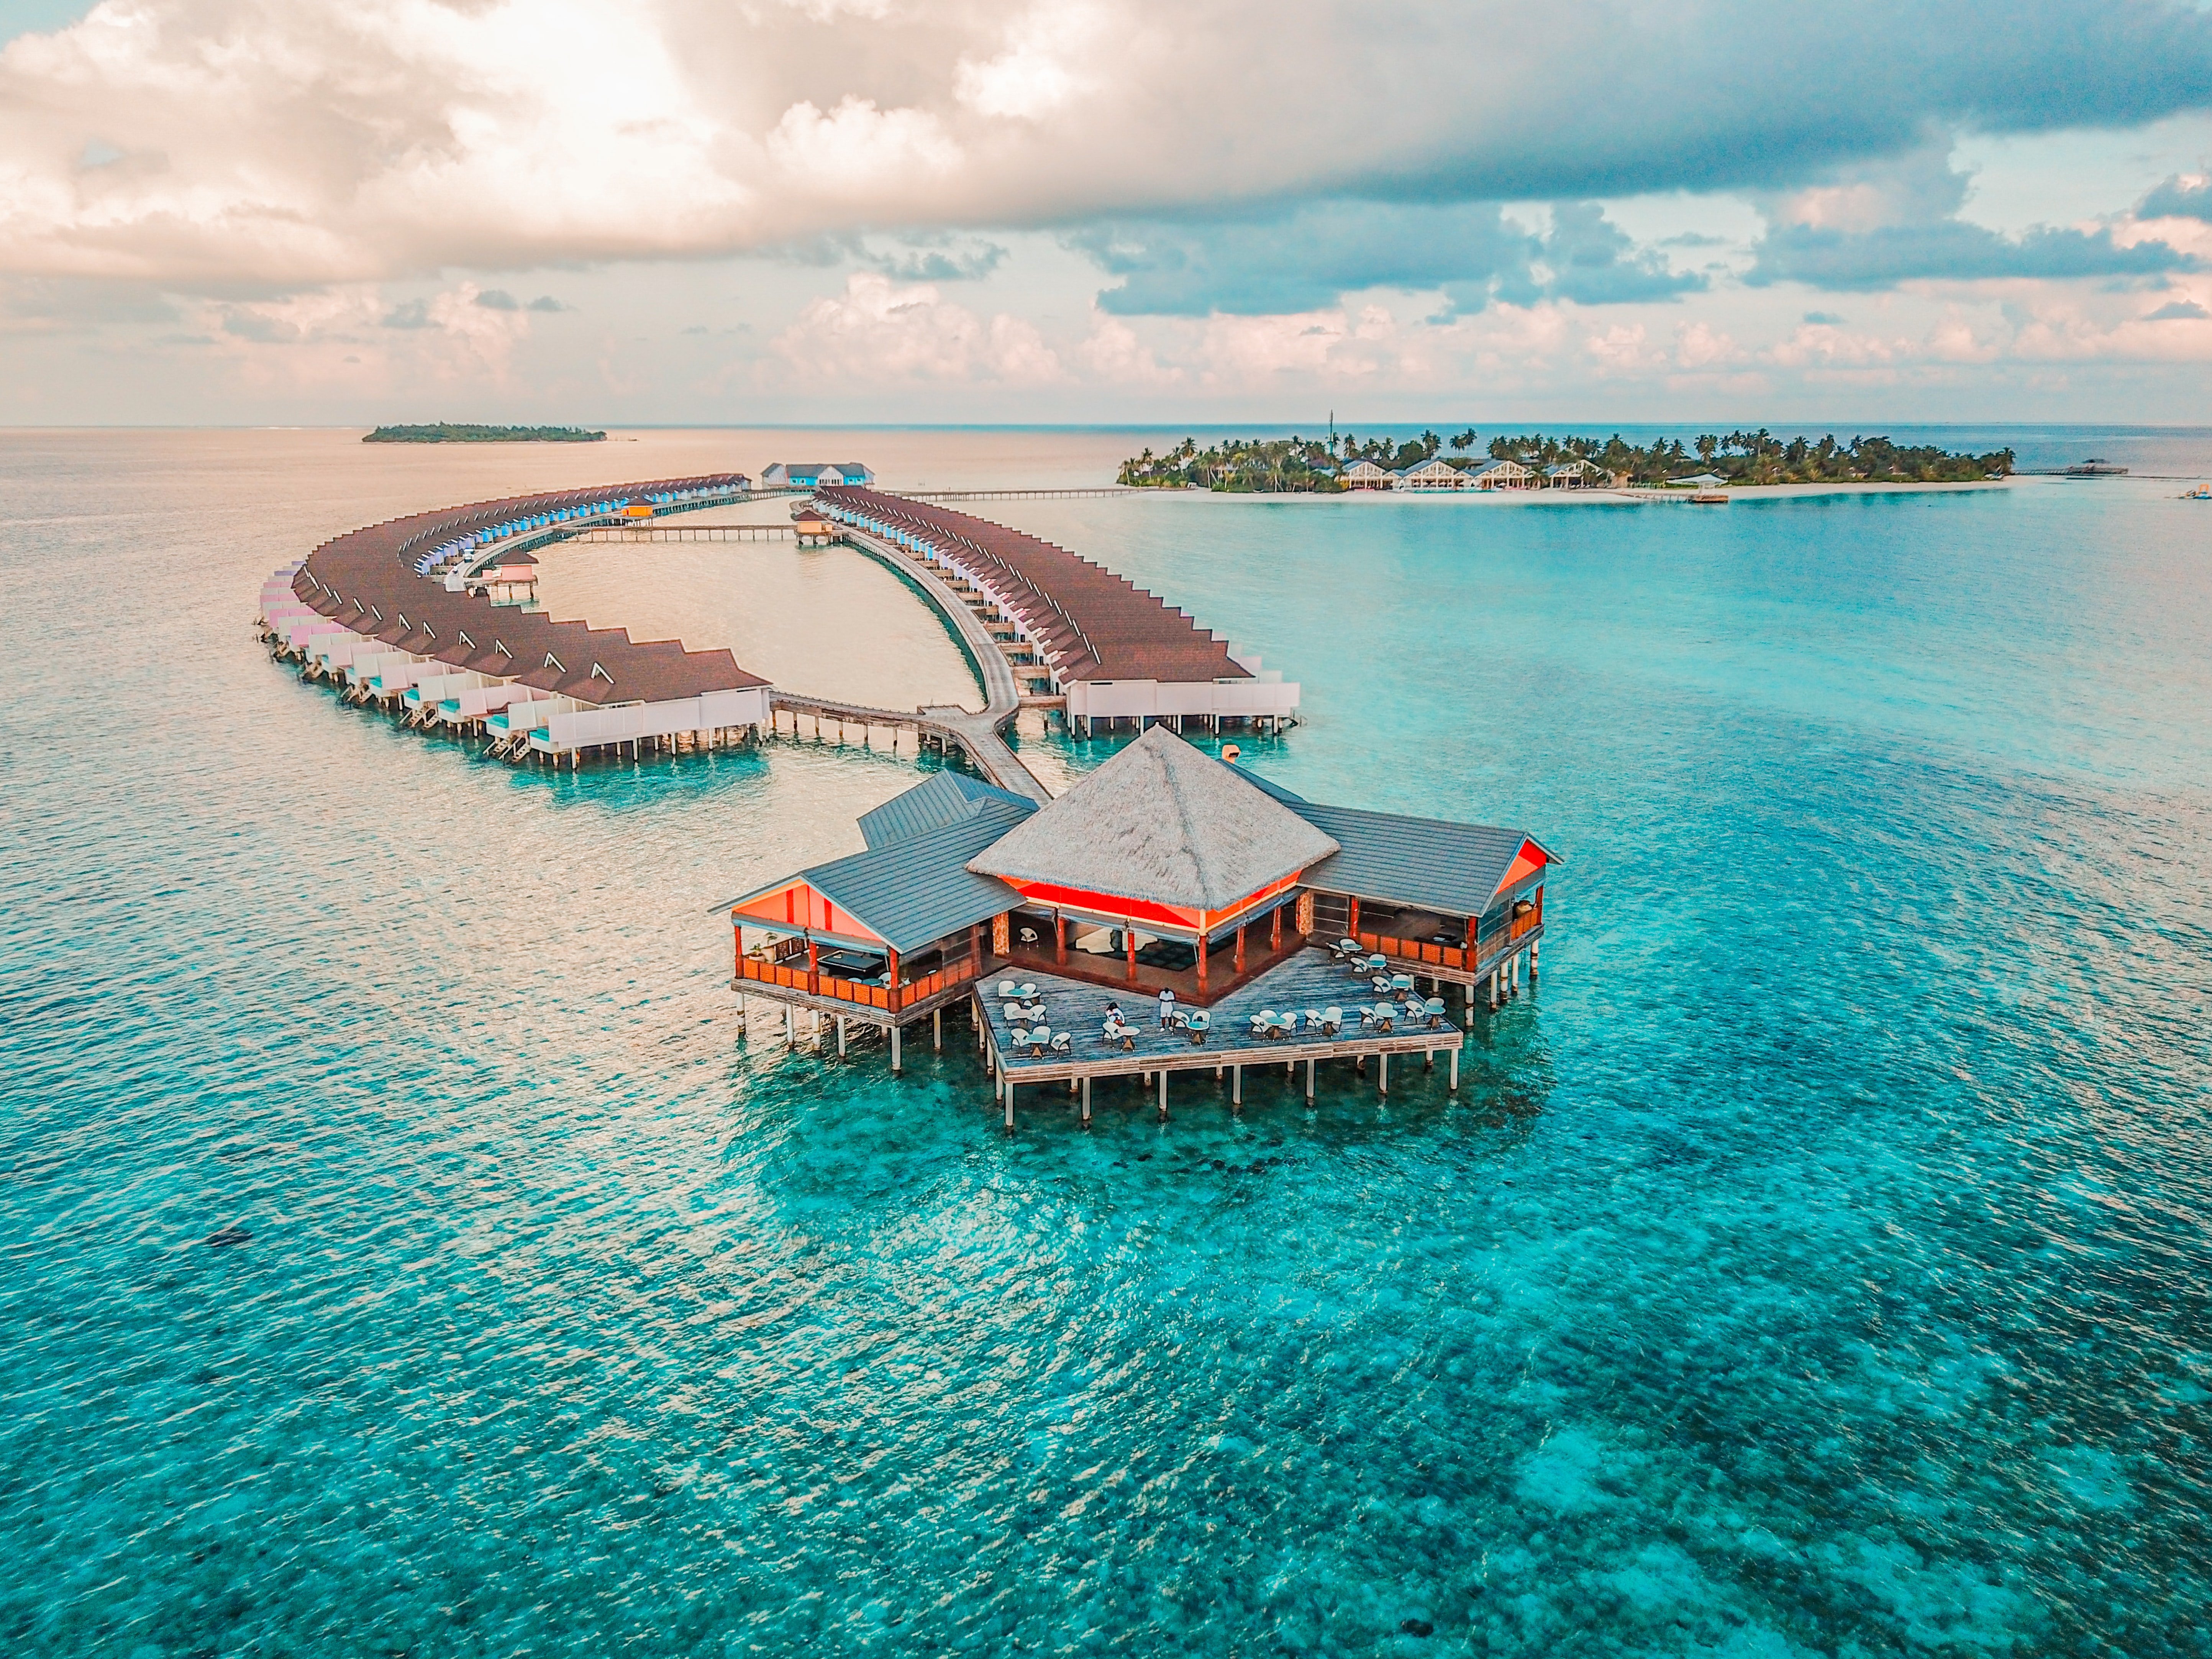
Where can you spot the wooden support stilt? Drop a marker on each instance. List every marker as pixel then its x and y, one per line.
pixel 895 1050
pixel 1163 1092
pixel 1236 1086
pixel 1309 1077
pixel 1086 1100
pixel 1382 1074
pixel 1010 1102
pixel 936 1029
pixel 1451 1077
pixel 840 1037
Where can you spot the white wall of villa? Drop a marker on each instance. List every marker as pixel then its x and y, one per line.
pixel 585 727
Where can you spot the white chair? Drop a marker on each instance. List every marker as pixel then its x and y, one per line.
pixel 1401 982
pixel 1025 990
pixel 1332 1020
pixel 1349 946
pixel 1262 1021
pixel 1006 989
pixel 1013 1011
pixel 1062 1042
pixel 1021 1038
pixel 1039 1036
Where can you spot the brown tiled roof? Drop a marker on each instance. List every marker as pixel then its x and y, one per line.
pixel 358 576
pixel 1087 622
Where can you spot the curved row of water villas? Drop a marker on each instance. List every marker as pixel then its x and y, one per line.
pixel 416 628
pixel 1074 629
pixel 1164 872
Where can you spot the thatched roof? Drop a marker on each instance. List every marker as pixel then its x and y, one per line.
pixel 1162 821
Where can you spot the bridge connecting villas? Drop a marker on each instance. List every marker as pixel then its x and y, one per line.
pixel 1116 654
pixel 419 615
pixel 1169 913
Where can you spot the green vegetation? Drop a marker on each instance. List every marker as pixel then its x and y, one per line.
pixel 449 432
pixel 1294 464
pixel 1759 458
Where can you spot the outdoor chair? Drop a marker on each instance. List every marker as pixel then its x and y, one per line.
pixel 1313 1019
pixel 1379 964
pixel 1062 1042
pixel 1006 989
pixel 1435 1009
pixel 1039 1036
pixel 1019 1038
pixel 1117 1032
pixel 1025 990
pixel 1332 1020
pixel 1350 947
pixel 1263 1022
pixel 1381 984
pixel 1029 936
pixel 1198 1025
pixel 1401 982
pixel 1013 1011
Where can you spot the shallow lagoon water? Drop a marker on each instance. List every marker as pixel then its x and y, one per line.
pixel 1815 1263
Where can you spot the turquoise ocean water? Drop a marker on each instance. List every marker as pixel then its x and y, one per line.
pixel 1815 1263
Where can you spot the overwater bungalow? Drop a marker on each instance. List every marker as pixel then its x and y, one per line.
pixel 1169 910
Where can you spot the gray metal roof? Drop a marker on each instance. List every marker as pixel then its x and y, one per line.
pixel 1426 862
pixel 913 892
pixel 942 798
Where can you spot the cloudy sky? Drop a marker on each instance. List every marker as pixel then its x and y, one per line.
pixel 760 211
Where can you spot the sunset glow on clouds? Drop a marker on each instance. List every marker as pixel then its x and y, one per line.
pixel 837 209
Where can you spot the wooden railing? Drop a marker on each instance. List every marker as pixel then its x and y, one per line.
pixel 1457 957
pixel 890 999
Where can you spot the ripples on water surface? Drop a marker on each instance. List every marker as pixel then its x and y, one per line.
pixel 1815 1264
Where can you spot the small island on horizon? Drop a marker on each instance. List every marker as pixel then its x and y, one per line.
pixel 451 432
pixel 1342 463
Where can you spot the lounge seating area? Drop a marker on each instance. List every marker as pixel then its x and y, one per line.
pixel 1046 1024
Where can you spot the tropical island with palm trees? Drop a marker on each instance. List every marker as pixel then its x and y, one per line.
pixel 1343 462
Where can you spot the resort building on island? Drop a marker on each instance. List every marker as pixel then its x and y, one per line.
pixel 814 474
pixel 1170 911
pixel 1363 474
pixel 1071 629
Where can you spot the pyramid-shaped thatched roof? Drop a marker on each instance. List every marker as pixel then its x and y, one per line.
pixel 1162 822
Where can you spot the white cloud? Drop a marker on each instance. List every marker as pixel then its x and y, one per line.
pixel 877 332
pixel 213 141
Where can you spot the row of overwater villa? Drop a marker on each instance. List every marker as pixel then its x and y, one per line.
pixel 427 616
pixel 1170 912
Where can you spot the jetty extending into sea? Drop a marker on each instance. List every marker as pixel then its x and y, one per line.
pixel 1170 912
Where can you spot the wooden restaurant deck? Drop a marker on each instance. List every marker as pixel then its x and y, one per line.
pixel 1310 979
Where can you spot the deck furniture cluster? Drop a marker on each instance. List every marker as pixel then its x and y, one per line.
pixel 1170 911
pixel 429 615
pixel 1115 651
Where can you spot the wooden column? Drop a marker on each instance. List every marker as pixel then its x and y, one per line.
pixel 1470 922
pixel 936 1029
pixel 1352 917
pixel 813 967
pixel 1240 947
pixel 1129 937
pixel 975 947
pixel 1201 959
pixel 1275 928
pixel 1059 938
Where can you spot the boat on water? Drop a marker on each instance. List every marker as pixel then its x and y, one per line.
pixel 2202 492
pixel 2093 468
pixel 1709 498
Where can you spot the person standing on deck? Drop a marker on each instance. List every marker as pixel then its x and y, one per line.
pixel 1167 1009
